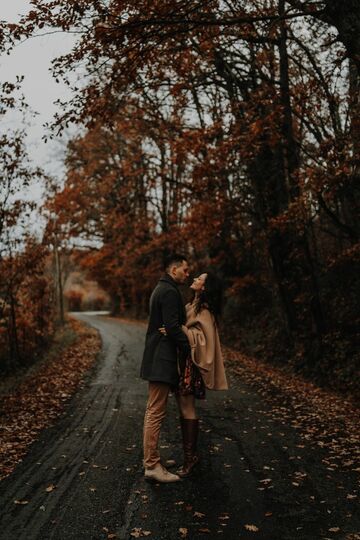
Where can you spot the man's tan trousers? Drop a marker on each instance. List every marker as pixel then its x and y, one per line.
pixel 154 414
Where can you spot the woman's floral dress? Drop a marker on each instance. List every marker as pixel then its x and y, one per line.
pixel 191 381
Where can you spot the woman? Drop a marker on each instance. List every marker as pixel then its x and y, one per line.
pixel 204 369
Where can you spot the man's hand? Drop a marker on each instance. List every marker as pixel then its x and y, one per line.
pixel 162 329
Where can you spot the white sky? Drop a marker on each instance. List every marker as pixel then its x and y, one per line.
pixel 32 59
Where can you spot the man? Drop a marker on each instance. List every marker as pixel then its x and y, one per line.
pixel 160 360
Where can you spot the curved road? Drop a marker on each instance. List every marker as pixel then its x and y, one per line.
pixel 92 457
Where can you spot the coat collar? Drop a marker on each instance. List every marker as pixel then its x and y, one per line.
pixel 168 279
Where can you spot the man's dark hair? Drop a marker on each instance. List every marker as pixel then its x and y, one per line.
pixel 174 258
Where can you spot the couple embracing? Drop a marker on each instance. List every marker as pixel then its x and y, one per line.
pixel 182 355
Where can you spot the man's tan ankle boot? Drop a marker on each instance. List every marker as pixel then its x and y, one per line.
pixel 160 474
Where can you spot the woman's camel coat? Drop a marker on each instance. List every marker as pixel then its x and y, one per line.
pixel 203 336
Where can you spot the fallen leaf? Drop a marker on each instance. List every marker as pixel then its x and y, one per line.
pixel 20 502
pixel 199 514
pixel 50 488
pixel 251 528
pixel 139 532
pixel 183 532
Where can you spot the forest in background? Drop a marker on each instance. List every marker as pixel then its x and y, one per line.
pixel 225 130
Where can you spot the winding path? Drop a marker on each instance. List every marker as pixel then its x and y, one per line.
pixel 83 477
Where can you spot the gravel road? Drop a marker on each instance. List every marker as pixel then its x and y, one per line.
pixel 83 477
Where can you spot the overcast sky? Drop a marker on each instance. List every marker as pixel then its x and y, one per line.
pixel 32 59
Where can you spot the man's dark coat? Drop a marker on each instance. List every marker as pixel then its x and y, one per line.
pixel 161 352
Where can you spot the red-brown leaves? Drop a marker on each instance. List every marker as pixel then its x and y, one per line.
pixel 39 399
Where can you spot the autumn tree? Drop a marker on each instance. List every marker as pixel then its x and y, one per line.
pixel 26 318
pixel 224 129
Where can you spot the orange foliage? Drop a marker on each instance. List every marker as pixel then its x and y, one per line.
pixel 211 131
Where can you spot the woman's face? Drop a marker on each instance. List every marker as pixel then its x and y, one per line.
pixel 198 284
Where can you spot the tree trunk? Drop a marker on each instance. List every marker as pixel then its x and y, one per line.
pixel 289 150
pixel 345 16
pixel 15 357
pixel 351 204
pixel 59 281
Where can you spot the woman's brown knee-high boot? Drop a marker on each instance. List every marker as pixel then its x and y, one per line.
pixel 190 430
